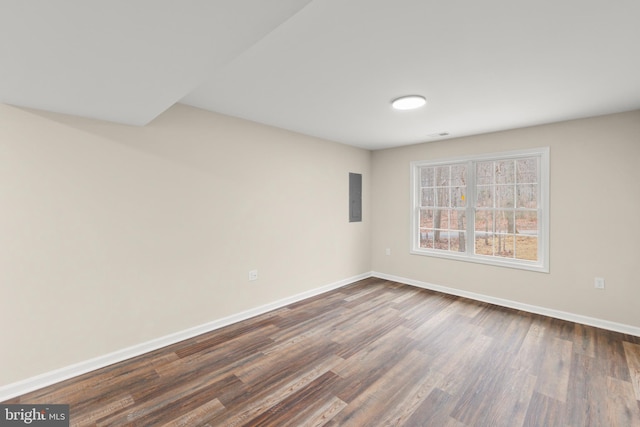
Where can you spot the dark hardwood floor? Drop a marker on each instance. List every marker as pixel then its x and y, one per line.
pixel 374 353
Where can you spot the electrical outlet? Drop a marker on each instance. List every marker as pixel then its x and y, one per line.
pixel 387 251
pixel 253 275
pixel 598 283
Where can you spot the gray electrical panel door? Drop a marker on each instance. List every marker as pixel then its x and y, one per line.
pixel 355 197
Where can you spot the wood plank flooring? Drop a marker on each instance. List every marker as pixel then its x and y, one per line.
pixel 375 353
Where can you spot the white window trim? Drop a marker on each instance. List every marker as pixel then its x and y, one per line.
pixel 542 265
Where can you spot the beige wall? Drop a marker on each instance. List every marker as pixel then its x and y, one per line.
pixel 112 235
pixel 594 215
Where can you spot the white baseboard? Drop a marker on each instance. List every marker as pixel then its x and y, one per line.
pixel 577 318
pixel 34 383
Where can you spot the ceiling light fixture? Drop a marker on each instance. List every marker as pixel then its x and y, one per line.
pixel 409 102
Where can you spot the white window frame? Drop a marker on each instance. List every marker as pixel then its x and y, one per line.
pixel 541 265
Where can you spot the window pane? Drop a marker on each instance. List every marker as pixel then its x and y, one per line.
pixel 426 177
pixel 527 171
pixel 442 176
pixel 426 218
pixel 458 175
pixel 527 195
pixel 441 243
pixel 441 219
pixel 527 248
pixel 484 173
pixel 504 245
pixel 426 238
pixel 458 220
pixel 443 197
pixel 505 196
pixel 484 221
pixel 527 223
pixel 457 241
pixel 484 244
pixel 499 245
pixel 427 197
pixel 505 222
pixel 505 173
pixel 440 239
pixel 458 197
pixel 484 196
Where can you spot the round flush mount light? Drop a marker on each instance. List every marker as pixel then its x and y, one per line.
pixel 409 102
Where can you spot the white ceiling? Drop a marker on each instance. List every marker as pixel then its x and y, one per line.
pixel 327 68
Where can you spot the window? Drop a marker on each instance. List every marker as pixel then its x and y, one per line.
pixel 490 209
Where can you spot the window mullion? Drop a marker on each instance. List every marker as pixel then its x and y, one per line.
pixel 470 208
